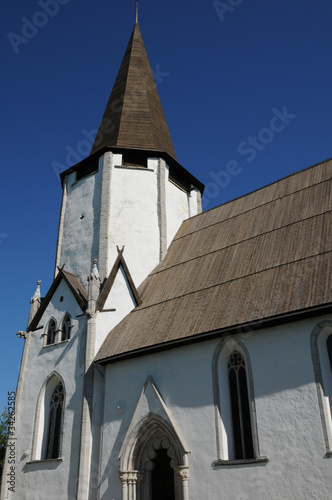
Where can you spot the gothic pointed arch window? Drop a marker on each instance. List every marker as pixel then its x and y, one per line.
pixel 51 332
pixel 49 419
pixel 55 423
pixel 240 407
pixel 321 352
pixel 66 326
pixel 234 402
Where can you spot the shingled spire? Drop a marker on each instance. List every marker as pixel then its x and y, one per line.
pixel 134 117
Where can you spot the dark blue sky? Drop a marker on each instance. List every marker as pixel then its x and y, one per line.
pixel 245 86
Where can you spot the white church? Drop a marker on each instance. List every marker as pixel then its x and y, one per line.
pixel 178 355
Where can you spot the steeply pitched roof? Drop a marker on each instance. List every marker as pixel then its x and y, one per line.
pixel 256 259
pixel 134 117
pixel 75 286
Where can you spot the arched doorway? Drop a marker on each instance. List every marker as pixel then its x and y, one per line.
pixel 154 464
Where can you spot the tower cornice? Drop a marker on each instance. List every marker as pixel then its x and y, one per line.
pixel 177 171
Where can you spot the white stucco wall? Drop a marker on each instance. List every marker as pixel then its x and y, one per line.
pixel 38 480
pixel 136 214
pixel 288 417
pixel 121 300
pixel 141 202
pixel 177 208
pixel 79 238
pixel 134 220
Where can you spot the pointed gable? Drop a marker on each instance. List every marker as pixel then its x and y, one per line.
pixel 150 406
pixel 105 296
pixel 134 117
pixel 74 285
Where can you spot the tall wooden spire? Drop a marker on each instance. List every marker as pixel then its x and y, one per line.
pixel 134 117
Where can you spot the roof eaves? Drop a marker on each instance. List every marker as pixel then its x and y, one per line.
pixel 247 328
pixel 175 167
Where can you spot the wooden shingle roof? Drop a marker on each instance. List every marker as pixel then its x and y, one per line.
pixel 134 117
pixel 260 258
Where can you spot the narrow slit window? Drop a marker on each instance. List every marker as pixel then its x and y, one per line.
pixel 51 333
pixel 66 327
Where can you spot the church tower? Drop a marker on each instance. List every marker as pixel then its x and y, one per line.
pixel 121 208
pixel 130 191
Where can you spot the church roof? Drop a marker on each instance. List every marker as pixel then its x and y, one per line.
pixel 134 117
pixel 261 259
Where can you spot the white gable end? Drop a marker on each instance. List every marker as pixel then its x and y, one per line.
pixel 119 302
pixel 120 296
pixel 150 404
pixel 63 301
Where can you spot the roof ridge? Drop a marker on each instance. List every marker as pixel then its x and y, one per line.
pixel 131 39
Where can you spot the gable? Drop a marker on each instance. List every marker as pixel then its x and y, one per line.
pixel 120 295
pixel 150 406
pixel 66 286
pixel 118 286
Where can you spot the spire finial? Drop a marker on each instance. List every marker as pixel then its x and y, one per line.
pixel 136 11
